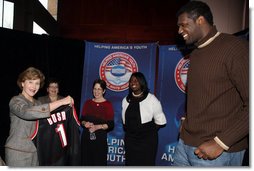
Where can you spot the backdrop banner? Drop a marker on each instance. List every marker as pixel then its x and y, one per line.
pixel 115 63
pixel 171 87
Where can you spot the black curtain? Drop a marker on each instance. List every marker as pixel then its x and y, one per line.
pixel 54 56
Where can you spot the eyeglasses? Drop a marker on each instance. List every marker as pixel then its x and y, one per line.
pixel 53 86
pixel 97 89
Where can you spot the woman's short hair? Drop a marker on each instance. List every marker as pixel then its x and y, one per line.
pixel 31 73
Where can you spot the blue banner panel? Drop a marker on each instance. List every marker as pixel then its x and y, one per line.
pixel 171 82
pixel 115 63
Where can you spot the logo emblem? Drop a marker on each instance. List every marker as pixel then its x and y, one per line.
pixel 181 71
pixel 116 69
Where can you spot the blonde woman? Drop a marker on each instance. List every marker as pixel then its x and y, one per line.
pixel 24 111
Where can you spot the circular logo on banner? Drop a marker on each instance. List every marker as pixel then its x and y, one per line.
pixel 181 71
pixel 116 69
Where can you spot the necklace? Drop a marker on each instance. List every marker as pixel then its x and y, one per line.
pixel 137 95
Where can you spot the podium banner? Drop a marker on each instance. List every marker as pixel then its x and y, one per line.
pixel 115 63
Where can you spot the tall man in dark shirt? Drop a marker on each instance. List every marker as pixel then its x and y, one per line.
pixel 215 128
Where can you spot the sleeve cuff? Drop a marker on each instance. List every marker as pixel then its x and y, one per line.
pixel 218 141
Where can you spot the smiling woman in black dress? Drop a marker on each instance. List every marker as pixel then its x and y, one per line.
pixel 142 115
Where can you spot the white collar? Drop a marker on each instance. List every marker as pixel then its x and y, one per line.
pixel 209 40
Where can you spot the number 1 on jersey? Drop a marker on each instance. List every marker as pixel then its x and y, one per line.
pixel 61 132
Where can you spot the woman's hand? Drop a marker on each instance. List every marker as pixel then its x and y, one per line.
pixel 87 125
pixel 95 128
pixel 67 100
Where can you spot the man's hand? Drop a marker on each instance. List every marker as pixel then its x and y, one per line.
pixel 209 150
